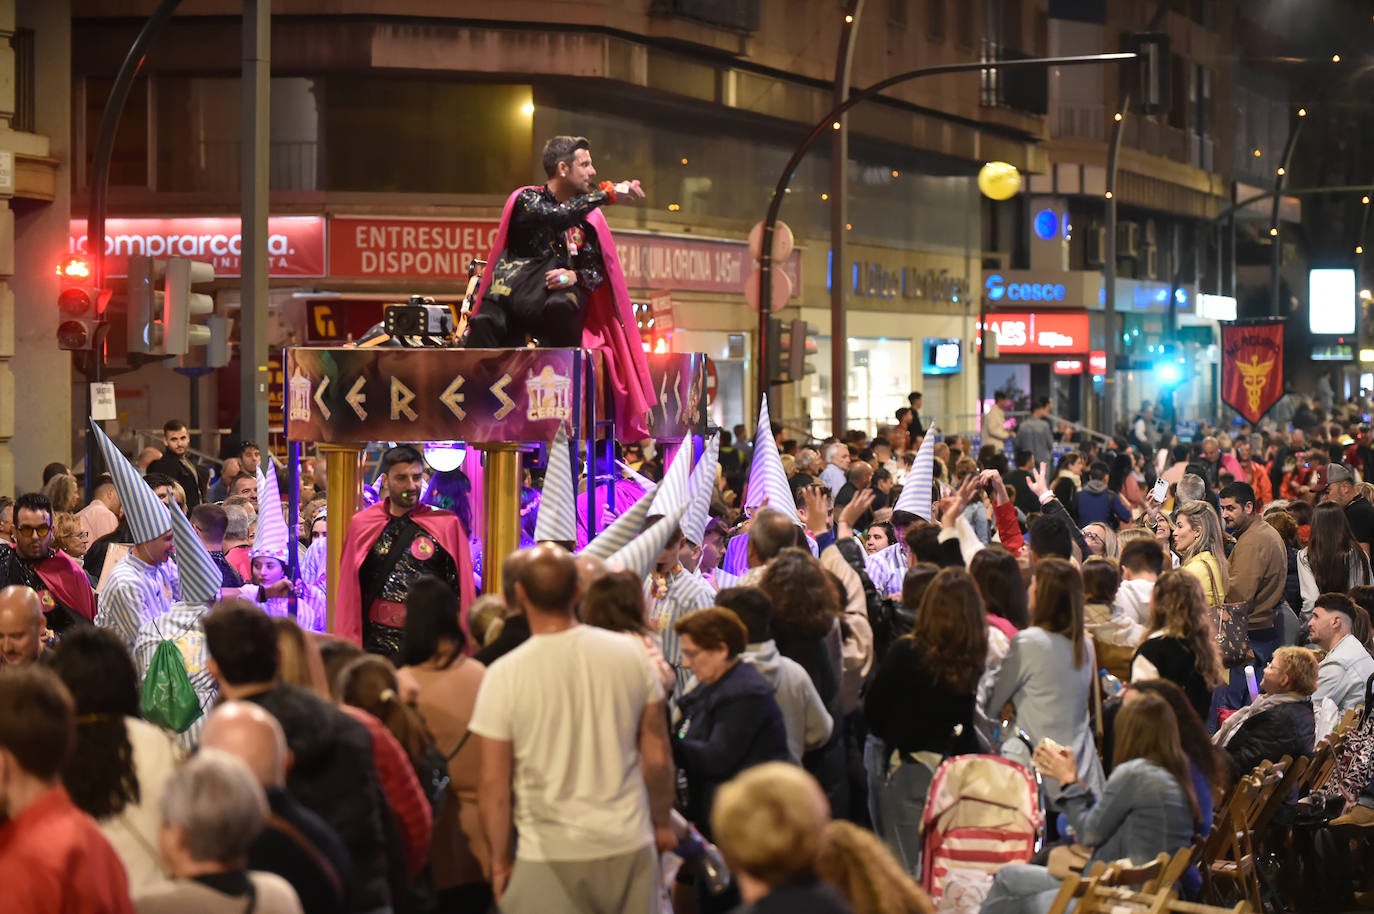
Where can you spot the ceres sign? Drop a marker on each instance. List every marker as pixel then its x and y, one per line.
pixel 998 289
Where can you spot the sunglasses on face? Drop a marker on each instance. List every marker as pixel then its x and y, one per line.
pixel 40 531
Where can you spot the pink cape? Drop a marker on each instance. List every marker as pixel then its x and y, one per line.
pixel 610 327
pixel 363 531
pixel 67 583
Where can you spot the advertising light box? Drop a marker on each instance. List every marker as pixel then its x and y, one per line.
pixel 1331 301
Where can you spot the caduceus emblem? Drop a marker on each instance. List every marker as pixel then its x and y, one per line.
pixel 1254 376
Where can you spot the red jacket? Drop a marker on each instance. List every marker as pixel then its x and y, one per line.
pixel 402 789
pixel 54 860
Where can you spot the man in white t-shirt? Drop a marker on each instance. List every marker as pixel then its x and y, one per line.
pixel 575 754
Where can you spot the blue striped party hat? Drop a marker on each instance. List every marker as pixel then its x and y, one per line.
pixel 625 528
pixel 200 577
pixel 270 540
pixel 639 554
pixel 915 497
pixel 675 490
pixel 703 486
pixel 767 478
pixel 557 520
pixel 146 515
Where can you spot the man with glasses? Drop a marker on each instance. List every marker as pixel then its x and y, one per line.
pixel 57 578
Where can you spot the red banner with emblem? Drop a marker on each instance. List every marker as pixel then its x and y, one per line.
pixel 1252 368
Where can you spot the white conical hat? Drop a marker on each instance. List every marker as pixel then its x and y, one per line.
pixel 915 497
pixel 767 478
pixel 625 528
pixel 645 483
pixel 557 520
pixel 703 486
pixel 271 538
pixel 146 515
pixel 675 490
pixel 200 576
pixel 639 554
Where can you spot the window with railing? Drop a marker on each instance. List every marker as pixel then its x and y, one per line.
pixel 25 81
pixel 739 15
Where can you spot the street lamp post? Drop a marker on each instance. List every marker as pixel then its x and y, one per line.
pixel 831 121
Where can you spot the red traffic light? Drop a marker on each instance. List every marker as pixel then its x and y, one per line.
pixel 74 268
pixel 75 301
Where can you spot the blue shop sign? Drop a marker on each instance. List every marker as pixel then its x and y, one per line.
pixel 999 289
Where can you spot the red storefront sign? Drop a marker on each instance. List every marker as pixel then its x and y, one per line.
pixel 691 264
pixel 295 244
pixel 1039 333
pixel 1097 361
pixel 367 247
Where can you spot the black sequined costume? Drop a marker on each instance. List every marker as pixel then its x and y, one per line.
pixel 403 532
pixel 553 235
pixel 15 571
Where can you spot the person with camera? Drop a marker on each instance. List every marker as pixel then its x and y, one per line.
pixel 554 278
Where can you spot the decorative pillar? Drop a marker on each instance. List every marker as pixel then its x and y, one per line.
pixel 501 504
pixel 343 496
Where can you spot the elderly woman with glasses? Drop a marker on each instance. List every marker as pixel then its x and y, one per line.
pixel 1101 540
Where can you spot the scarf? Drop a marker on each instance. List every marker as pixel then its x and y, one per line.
pixel 1254 709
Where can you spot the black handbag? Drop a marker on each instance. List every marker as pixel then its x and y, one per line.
pixel 1230 627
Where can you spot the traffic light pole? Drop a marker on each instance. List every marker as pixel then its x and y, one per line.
pixel 830 122
pixel 256 109
pixel 839 217
pixel 99 184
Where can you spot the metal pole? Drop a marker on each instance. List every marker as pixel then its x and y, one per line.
pixel 99 191
pixel 1275 229
pixel 254 129
pixel 770 221
pixel 1109 274
pixel 839 218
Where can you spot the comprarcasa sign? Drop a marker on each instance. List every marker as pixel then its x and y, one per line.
pixel 295 244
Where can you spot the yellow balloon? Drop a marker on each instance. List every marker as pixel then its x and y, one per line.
pixel 999 180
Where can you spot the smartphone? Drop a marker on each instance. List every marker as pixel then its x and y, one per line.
pixel 1160 491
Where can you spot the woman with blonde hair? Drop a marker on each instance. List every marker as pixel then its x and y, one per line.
pixel 1201 549
pixel 769 822
pixel 63 493
pixel 1179 645
pixel 870 878
pixel 1050 671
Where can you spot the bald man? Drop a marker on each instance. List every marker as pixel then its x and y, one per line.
pixel 21 625
pixel 295 844
pixel 586 842
pixel 516 631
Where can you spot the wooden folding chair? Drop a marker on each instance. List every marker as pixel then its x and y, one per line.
pixel 1265 836
pixel 1158 875
pixel 1228 857
pixel 1179 906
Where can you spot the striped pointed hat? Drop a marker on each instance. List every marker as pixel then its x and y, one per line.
pixel 557 520
pixel 200 577
pixel 675 490
pixel 147 516
pixel 703 485
pixel 645 483
pixel 270 540
pixel 767 478
pixel 915 497
pixel 639 554
pixel 625 528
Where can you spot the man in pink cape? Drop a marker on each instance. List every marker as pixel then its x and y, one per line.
pixel 62 586
pixel 388 547
pixel 554 278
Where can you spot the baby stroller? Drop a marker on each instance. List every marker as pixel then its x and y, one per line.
pixel 982 812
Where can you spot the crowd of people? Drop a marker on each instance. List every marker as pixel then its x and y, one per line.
pixel 739 692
